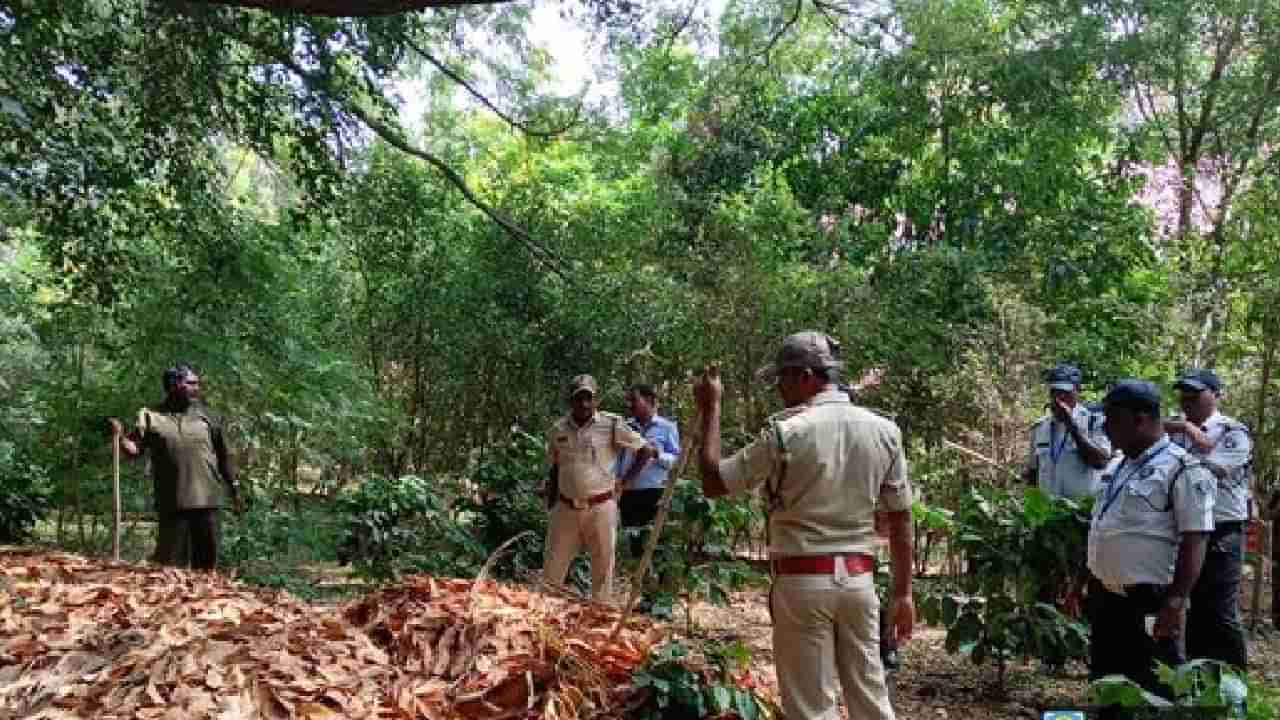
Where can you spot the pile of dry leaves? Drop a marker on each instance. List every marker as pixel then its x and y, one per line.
pixel 83 638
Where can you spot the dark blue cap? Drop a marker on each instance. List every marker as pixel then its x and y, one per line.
pixel 1197 379
pixel 1063 377
pixel 1134 395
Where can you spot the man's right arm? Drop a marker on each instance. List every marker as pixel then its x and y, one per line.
pixel 709 455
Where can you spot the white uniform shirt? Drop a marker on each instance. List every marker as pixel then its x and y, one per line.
pixel 1060 468
pixel 1142 508
pixel 1231 448
pixel 842 464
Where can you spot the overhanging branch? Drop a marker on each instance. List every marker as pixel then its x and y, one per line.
pixel 484 100
pixel 393 137
pixel 349 8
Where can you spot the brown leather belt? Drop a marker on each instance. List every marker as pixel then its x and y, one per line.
pixel 590 501
pixel 856 564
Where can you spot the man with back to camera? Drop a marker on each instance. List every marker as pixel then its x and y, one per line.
pixel 826 467
pixel 1151 518
pixel 582 449
pixel 889 657
pixel 189 456
pixel 1214 628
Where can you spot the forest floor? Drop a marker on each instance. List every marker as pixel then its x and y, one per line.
pixel 931 684
pixel 935 684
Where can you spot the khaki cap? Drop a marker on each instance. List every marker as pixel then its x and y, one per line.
pixel 806 349
pixel 581 383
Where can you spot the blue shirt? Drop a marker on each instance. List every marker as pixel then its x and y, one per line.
pixel 662 433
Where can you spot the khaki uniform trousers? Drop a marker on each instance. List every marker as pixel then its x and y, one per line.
pixel 827 627
pixel 570 529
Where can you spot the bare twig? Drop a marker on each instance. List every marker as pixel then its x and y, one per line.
pixel 978 456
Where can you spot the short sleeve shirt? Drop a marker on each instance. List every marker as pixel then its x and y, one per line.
pixel 842 464
pixel 587 455
pixel 184 465
pixel 1231 448
pixel 1142 508
pixel 1060 469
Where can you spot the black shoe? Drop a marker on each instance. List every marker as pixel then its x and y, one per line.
pixel 889 658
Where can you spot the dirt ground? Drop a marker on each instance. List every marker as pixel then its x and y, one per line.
pixel 935 684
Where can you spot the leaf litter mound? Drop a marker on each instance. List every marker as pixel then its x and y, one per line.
pixel 83 638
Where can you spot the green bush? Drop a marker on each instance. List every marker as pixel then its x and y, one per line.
pixel 25 493
pixel 510 501
pixel 1200 684
pixel 276 535
pixel 1016 546
pixel 394 526
pixel 681 689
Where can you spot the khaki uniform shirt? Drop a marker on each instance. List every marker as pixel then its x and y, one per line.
pixel 842 464
pixel 1060 468
pixel 1231 448
pixel 586 455
pixel 1142 508
pixel 183 463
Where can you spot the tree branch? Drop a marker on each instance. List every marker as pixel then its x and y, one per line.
pixel 348 8
pixel 484 100
pixel 393 137
pixel 791 21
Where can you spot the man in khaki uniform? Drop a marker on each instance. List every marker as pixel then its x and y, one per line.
pixel 189 460
pixel 582 448
pixel 827 467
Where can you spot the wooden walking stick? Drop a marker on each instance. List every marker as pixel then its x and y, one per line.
pixel 688 445
pixel 115 494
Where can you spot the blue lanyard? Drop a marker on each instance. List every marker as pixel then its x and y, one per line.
pixel 1117 486
pixel 1055 453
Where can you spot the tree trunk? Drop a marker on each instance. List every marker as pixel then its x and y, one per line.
pixel 1260 425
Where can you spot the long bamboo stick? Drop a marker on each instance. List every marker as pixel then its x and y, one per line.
pixel 688 445
pixel 115 495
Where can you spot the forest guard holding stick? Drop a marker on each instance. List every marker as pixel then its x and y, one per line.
pixel 189 457
pixel 827 466
pixel 583 449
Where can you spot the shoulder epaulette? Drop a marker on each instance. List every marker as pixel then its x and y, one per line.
pixel 1231 425
pixel 786 414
